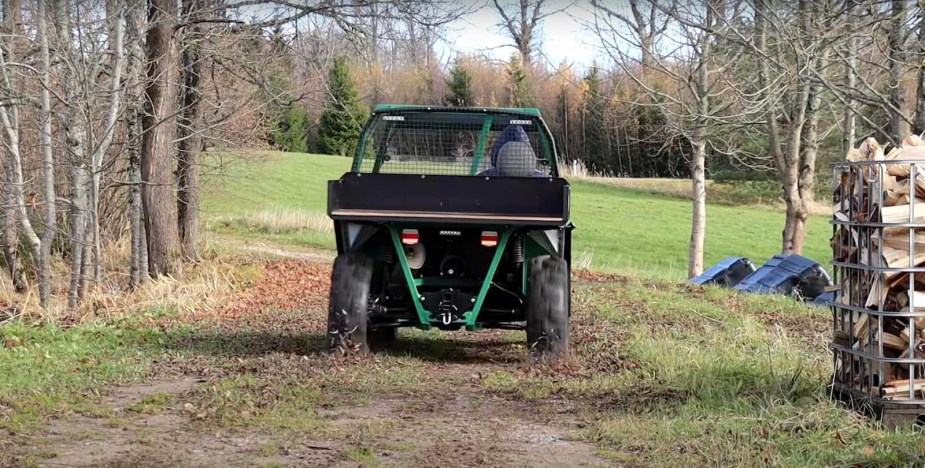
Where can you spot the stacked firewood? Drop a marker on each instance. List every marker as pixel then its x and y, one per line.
pixel 883 193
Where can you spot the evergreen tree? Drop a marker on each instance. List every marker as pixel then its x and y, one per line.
pixel 518 85
pixel 291 132
pixel 343 115
pixel 460 85
pixel 595 146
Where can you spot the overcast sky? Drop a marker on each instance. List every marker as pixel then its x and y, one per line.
pixel 562 36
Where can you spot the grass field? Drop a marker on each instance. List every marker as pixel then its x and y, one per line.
pixel 282 198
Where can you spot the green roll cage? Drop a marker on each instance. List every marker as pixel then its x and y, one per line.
pixel 489 116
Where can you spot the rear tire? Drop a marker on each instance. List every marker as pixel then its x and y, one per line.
pixel 349 303
pixel 548 308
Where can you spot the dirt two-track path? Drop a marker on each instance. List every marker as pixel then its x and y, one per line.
pixel 441 413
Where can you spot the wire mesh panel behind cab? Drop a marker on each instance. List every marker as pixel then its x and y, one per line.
pixel 454 143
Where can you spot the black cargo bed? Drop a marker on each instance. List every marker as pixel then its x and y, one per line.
pixel 537 201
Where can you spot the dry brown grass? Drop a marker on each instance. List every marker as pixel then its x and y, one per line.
pixel 288 220
pixel 202 285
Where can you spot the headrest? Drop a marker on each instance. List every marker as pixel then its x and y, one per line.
pixel 516 159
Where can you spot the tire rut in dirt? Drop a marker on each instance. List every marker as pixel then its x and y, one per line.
pixel 548 308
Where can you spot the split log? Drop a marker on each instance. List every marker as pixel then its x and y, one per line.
pixel 901 213
pixel 898 238
pixel 907 153
pixel 902 385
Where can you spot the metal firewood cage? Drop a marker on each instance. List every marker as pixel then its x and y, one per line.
pixel 878 343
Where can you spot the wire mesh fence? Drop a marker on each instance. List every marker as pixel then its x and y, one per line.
pixel 878 314
pixel 456 143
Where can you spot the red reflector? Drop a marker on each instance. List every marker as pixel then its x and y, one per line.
pixel 489 238
pixel 410 236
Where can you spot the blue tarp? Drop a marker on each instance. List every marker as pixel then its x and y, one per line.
pixel 728 272
pixel 787 274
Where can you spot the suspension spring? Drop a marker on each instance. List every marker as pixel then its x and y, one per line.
pixel 517 249
pixel 385 254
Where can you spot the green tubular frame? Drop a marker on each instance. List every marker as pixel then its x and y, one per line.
pixel 369 129
pixel 469 318
pixel 483 139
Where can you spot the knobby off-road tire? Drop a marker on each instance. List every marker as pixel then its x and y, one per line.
pixel 548 308
pixel 349 303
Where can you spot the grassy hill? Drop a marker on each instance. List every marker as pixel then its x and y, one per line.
pixel 282 197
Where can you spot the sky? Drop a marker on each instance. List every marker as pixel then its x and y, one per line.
pixel 562 36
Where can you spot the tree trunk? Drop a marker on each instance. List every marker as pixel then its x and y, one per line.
pixel 16 220
pixel 79 180
pixel 190 142
pixel 802 117
pixel 158 133
pixel 851 62
pixel 899 126
pixel 138 263
pixel 48 160
pixel 11 229
pixel 699 208
pixel 919 122
pixel 75 143
pixel 115 13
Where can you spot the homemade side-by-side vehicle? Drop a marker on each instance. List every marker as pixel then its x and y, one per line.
pixel 451 218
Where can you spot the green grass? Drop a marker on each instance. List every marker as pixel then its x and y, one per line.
pixel 707 377
pixel 51 370
pixel 619 229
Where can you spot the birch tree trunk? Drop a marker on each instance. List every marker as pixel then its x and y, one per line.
pixel 17 220
pixel 48 159
pixel 10 225
pixel 158 133
pixel 75 142
pixel 138 264
pixel 115 12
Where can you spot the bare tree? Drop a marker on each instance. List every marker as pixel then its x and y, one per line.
pixel 520 20
pixel 135 75
pixel 697 104
pixel 648 21
pixel 792 97
pixel 13 199
pixel 75 135
pixel 115 12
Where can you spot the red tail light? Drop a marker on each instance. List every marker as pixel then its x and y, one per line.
pixel 489 238
pixel 410 237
